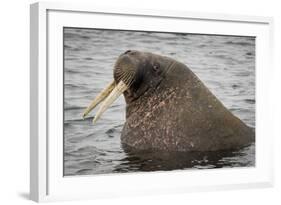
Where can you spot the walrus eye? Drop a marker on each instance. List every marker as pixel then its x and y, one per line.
pixel 156 67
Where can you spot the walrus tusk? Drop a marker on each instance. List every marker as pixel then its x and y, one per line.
pixel 100 97
pixel 116 92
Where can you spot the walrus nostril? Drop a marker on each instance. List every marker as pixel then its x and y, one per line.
pixel 128 51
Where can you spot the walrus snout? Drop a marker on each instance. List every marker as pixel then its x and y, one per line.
pixel 124 75
pixel 124 69
pixel 127 66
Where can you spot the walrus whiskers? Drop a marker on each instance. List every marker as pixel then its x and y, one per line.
pixel 121 74
pixel 127 78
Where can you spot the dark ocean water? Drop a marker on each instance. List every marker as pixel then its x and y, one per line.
pixel 226 65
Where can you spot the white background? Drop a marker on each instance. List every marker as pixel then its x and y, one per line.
pixel 14 102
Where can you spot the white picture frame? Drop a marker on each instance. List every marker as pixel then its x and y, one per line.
pixel 46 178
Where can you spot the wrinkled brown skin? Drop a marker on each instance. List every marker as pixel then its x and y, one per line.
pixel 178 112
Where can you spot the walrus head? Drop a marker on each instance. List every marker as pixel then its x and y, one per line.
pixel 134 74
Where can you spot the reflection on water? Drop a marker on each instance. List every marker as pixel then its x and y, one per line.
pixel 226 64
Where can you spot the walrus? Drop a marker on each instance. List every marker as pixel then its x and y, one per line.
pixel 168 108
